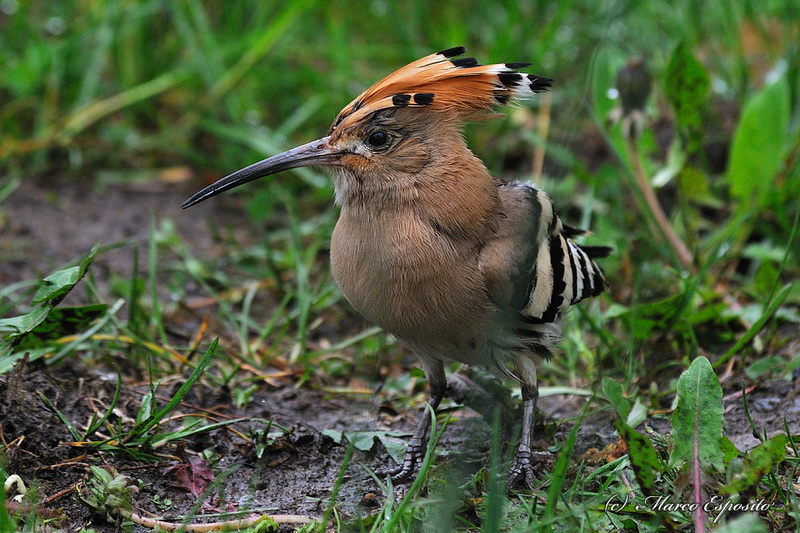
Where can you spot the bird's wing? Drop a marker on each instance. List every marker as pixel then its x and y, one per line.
pixel 532 267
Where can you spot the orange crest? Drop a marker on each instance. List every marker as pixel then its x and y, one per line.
pixel 440 83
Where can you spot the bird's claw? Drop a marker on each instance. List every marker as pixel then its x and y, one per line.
pixel 525 468
pixel 415 453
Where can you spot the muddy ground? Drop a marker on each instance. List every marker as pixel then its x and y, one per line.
pixel 43 226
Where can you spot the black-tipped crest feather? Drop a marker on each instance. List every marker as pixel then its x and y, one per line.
pixel 443 83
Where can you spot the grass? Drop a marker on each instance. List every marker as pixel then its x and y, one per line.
pixel 91 90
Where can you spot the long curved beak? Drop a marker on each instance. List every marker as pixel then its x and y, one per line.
pixel 317 152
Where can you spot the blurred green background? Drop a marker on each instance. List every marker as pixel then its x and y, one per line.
pixel 121 84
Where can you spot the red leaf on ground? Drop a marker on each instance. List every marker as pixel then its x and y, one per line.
pixel 193 476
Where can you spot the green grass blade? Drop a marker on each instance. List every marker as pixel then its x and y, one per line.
pixel 559 474
pixel 186 432
pixel 153 281
pixel 6 189
pixel 495 498
pixel 81 119
pixel 136 315
pixel 773 306
pixel 86 335
pixel 758 434
pixel 114 399
pixel 76 435
pixel 427 462
pixel 101 35
pixel 326 517
pixel 155 418
pixel 277 29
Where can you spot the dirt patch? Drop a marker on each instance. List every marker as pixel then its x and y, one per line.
pixel 773 408
pixel 295 471
pixel 291 473
pixel 285 473
pixel 46 225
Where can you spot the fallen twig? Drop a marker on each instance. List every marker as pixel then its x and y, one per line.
pixel 225 525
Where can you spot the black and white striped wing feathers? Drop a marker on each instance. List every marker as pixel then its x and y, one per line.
pixel 550 272
pixel 565 274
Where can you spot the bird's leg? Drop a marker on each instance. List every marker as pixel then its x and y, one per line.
pixel 415 452
pixel 522 471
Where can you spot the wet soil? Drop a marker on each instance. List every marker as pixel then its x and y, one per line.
pixel 42 226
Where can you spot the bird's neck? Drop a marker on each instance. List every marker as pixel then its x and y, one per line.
pixel 457 197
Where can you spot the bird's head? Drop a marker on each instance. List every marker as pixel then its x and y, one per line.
pixel 406 123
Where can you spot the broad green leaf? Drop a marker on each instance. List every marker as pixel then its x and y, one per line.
pixel 763 366
pixel 638 414
pixel 757 463
pixel 55 286
pixel 686 85
pixel 729 450
pixel 61 322
pixel 336 436
pixel 20 325
pixel 644 459
pixel 697 420
pixel 365 440
pixel 693 184
pixel 613 393
pixel 52 289
pixel 8 358
pixel 758 145
pixel 697 430
pixel 395 445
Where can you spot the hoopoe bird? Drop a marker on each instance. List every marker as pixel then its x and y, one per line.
pixel 454 263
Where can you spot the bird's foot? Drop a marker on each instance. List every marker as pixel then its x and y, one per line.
pixel 415 453
pixel 526 466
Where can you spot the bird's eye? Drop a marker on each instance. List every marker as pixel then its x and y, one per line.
pixel 377 139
